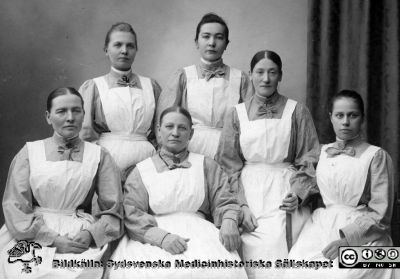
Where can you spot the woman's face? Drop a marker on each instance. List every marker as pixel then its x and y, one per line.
pixel 211 42
pixel 121 50
pixel 175 132
pixel 66 115
pixel 346 118
pixel 265 77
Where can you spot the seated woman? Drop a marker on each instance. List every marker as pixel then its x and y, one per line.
pixel 356 183
pixel 268 147
pixel 166 198
pixel 49 193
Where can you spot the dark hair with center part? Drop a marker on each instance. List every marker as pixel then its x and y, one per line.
pixel 271 55
pixel 61 92
pixel 177 109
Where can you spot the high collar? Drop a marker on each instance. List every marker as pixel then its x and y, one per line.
pixel 118 74
pixel 211 66
pixel 67 143
pixel 271 100
pixel 351 142
pixel 170 157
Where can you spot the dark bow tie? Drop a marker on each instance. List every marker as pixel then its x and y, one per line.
pixel 185 165
pixel 124 81
pixel 264 110
pixel 210 74
pixel 340 149
pixel 67 151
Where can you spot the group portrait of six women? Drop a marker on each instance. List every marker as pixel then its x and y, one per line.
pixel 218 165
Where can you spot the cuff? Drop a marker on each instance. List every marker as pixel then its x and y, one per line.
pixel 301 192
pixel 352 234
pixel 155 236
pixel 97 235
pixel 231 214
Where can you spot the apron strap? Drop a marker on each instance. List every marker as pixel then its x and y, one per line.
pixel 191 73
pixel 242 113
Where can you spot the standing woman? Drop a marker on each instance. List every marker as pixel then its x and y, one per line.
pixel 120 105
pixel 207 90
pixel 356 184
pixel 268 147
pixel 48 197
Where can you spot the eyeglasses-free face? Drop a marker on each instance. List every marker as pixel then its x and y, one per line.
pixel 211 42
pixel 66 115
pixel 121 50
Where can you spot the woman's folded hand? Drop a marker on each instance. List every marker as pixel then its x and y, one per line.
pixel 174 244
pixel 229 235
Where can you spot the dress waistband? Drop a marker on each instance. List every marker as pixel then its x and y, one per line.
pixel 282 165
pixel 65 212
pixel 122 136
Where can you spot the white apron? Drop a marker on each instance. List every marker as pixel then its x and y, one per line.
pixel 129 113
pixel 59 188
pixel 175 197
pixel 208 102
pixel 341 180
pixel 265 178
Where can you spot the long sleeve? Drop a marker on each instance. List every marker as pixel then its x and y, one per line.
pixel 140 225
pixel 94 121
pixel 172 94
pixel 222 199
pixel 153 129
pixel 305 146
pixel 246 88
pixel 18 203
pixel 375 220
pixel 109 225
pixel 229 155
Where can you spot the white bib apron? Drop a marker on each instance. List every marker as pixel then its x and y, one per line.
pixel 208 102
pixel 59 188
pixel 175 196
pixel 129 113
pixel 265 178
pixel 341 180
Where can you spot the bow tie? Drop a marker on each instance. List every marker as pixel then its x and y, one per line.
pixel 67 151
pixel 264 110
pixel 184 165
pixel 124 81
pixel 334 151
pixel 210 74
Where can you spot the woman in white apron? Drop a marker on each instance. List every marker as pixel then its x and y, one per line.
pixel 47 200
pixel 268 147
pixel 120 105
pixel 207 90
pixel 356 183
pixel 166 199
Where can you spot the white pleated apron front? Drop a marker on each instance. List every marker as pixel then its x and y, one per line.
pixel 265 178
pixel 129 114
pixel 175 196
pixel 208 102
pixel 59 188
pixel 341 180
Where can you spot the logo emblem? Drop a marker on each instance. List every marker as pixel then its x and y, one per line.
pixel 349 257
pixel 24 251
pixel 393 254
pixel 380 254
pixel 367 254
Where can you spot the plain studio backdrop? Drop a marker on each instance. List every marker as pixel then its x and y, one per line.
pixel 47 44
